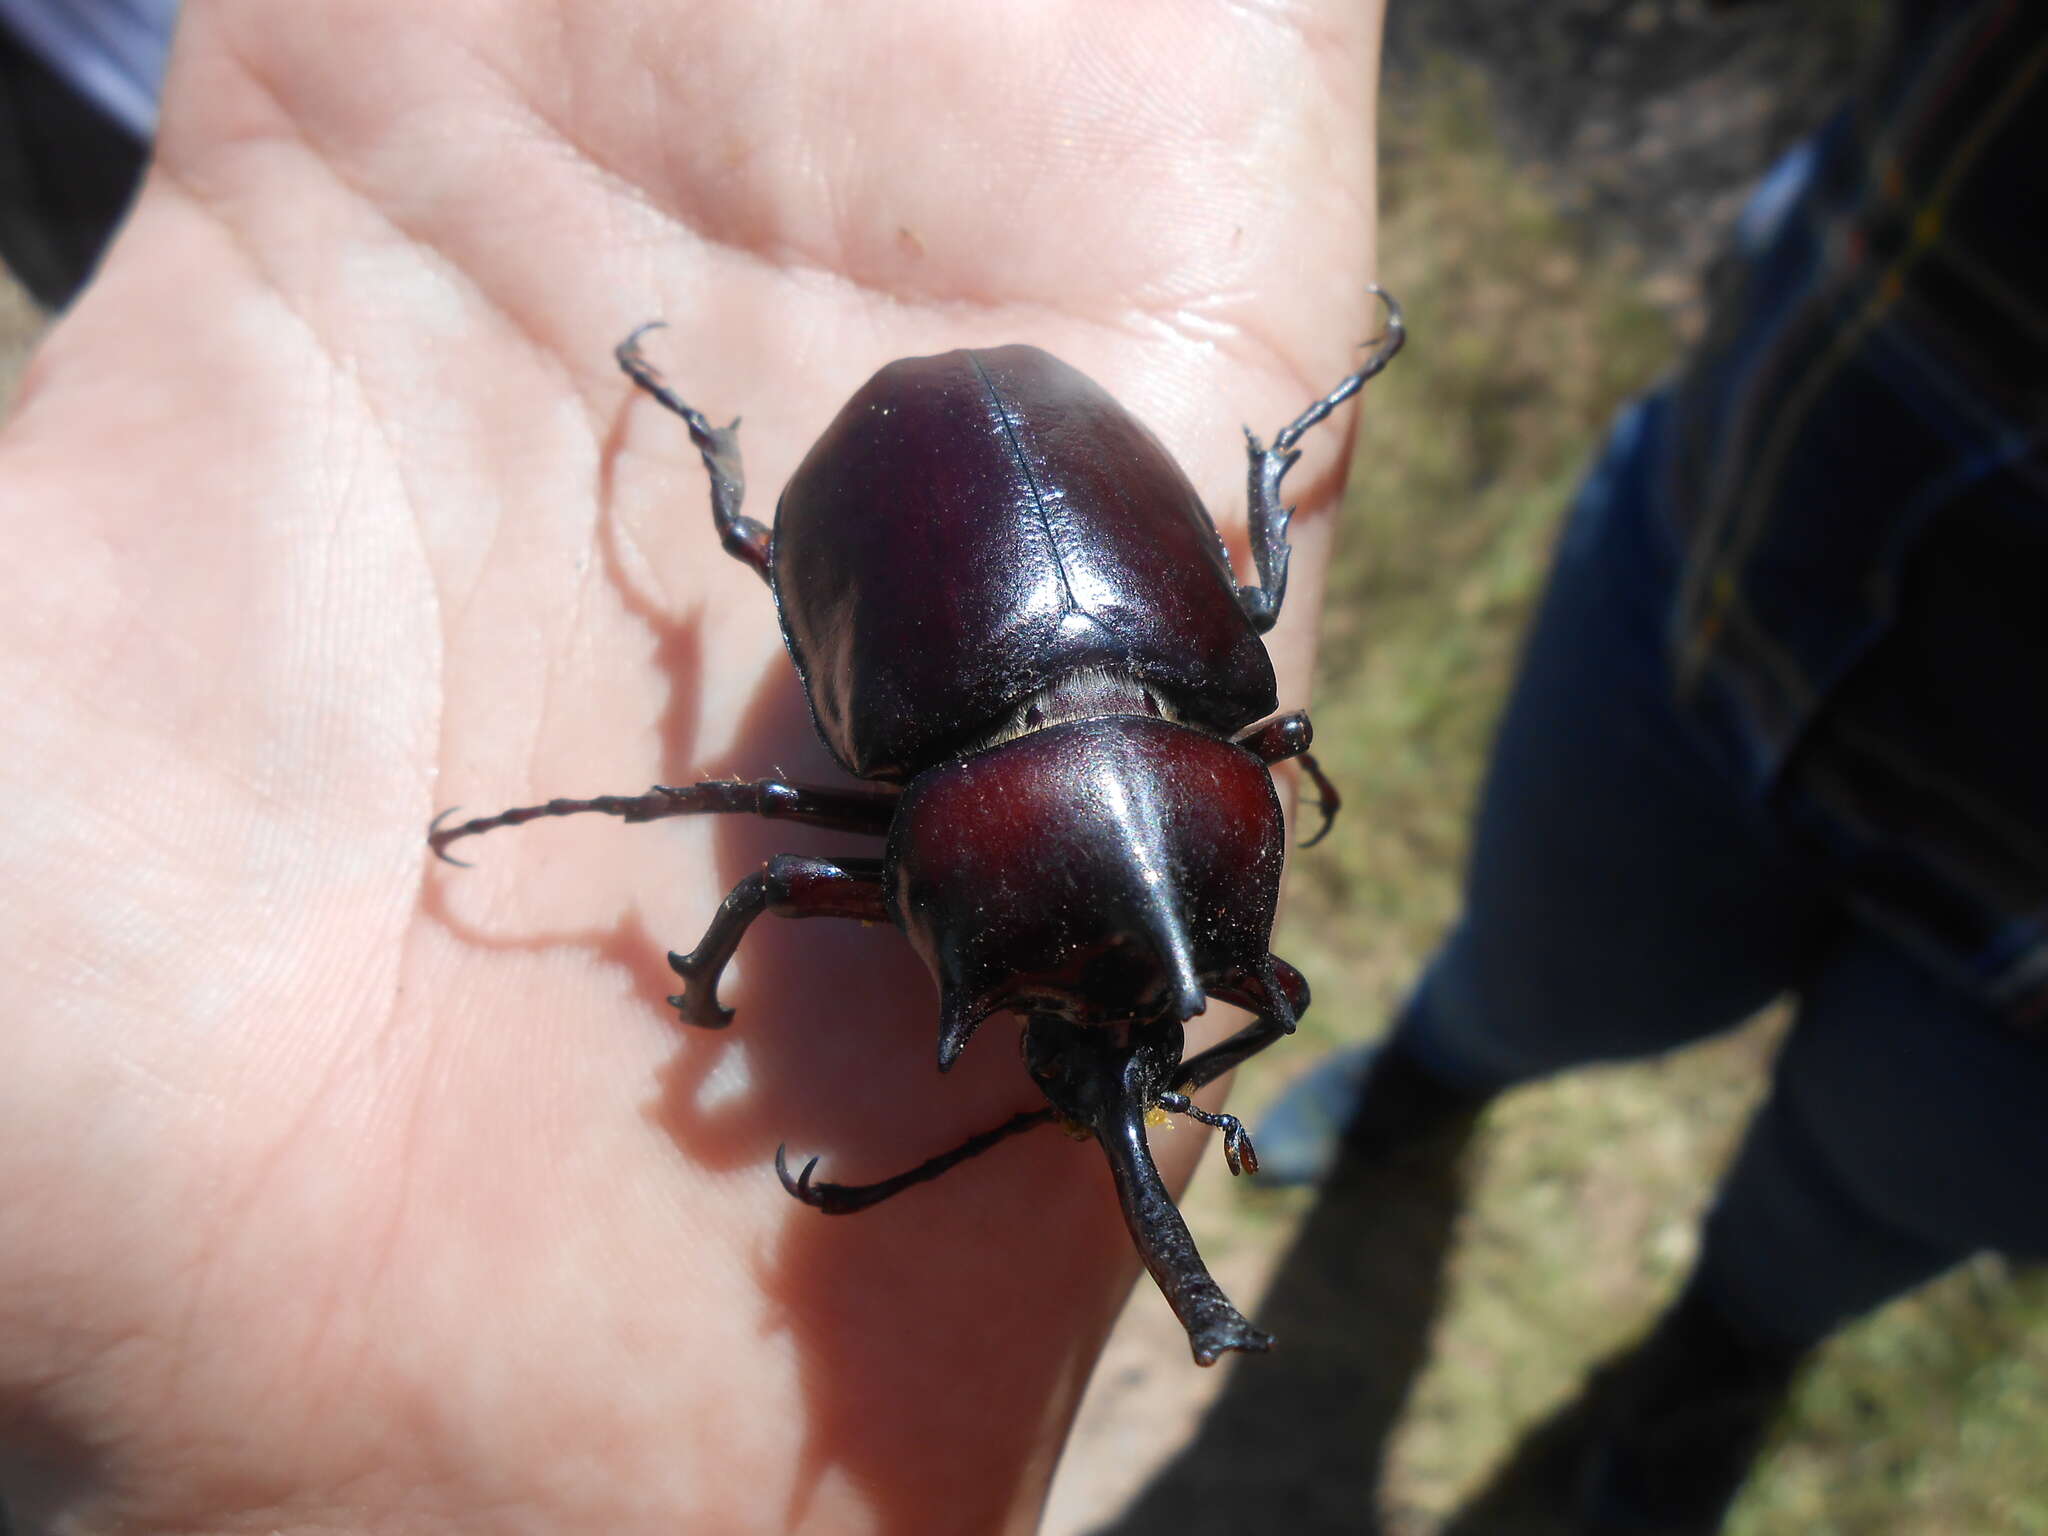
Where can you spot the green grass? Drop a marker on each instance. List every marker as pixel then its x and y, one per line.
pixel 1931 1416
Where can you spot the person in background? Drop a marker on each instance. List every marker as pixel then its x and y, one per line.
pixel 1780 728
pixel 78 93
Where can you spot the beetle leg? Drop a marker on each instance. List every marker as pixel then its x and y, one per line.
pixel 1225 1056
pixel 1269 466
pixel 1328 801
pixel 788 885
pixel 1276 991
pixel 839 810
pixel 744 539
pixel 1237 1141
pixel 1278 998
pixel 844 1199
pixel 1289 737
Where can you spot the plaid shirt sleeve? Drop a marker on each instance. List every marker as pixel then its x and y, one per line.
pixel 1861 483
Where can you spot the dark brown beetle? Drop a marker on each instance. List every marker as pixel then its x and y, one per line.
pixel 1073 725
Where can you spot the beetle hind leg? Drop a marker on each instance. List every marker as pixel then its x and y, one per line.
pixel 844 1199
pixel 744 539
pixel 1268 467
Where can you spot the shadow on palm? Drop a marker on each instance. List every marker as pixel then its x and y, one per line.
pixel 1297 1439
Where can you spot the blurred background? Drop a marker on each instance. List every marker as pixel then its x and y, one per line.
pixel 1556 178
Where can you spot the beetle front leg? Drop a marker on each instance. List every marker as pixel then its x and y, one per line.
pixel 1269 466
pixel 844 1199
pixel 1289 737
pixel 788 885
pixel 1279 998
pixel 744 539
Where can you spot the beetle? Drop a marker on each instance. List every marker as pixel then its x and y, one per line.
pixel 1067 740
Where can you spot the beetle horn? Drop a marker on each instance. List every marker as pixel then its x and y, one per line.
pixel 1213 1325
pixel 1164 925
pixel 957 1023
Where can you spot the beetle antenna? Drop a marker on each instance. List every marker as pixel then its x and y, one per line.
pixel 1237 1141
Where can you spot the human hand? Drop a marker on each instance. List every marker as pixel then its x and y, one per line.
pixel 342 1191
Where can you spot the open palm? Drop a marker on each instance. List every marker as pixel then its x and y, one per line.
pixel 339 1190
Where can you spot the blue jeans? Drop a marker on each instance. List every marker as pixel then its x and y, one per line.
pixel 1627 895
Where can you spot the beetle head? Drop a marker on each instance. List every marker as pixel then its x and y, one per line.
pixel 1101 871
pixel 1099 1076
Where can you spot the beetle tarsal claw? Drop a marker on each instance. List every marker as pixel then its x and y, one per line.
pixel 832 1199
pixel 1238 1151
pixel 698 1002
pixel 628 351
pixel 800 1185
pixel 439 840
pixel 1327 811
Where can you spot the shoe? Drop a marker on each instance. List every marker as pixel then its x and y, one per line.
pixel 1683 1418
pixel 1370 1100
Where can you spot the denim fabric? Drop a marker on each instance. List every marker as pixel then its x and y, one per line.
pixel 1627 894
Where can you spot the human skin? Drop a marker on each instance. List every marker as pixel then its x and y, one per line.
pixel 341 1190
